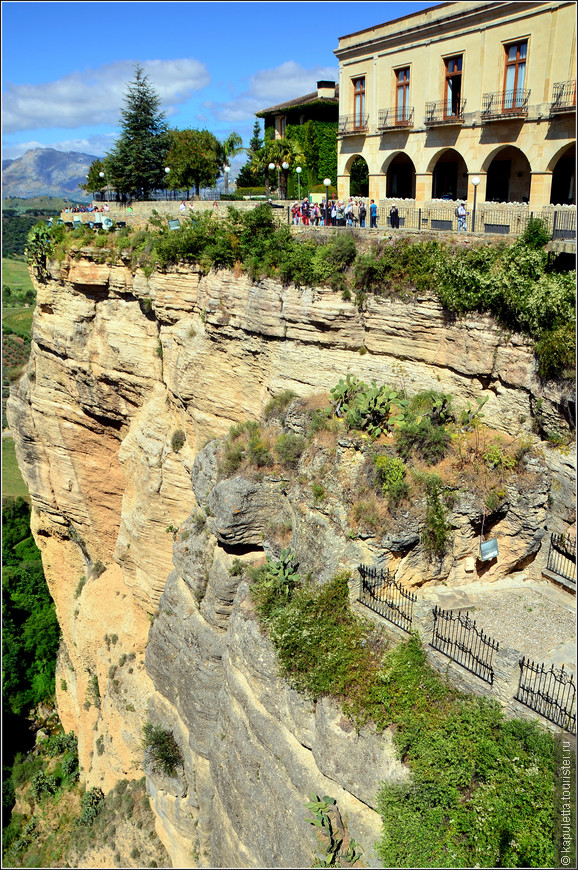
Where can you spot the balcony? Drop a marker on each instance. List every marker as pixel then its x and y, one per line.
pixel 396 118
pixel 352 125
pixel 439 114
pixel 563 98
pixel 505 105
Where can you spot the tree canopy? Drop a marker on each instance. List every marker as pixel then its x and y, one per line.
pixel 195 159
pixel 136 164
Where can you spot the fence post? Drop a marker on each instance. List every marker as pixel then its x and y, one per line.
pixel 419 219
pixel 554 224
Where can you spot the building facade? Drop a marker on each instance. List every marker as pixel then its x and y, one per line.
pixel 312 120
pixel 462 91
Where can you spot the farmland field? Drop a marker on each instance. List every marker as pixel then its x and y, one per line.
pixel 12 482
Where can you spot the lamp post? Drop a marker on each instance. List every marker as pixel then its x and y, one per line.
pixel 101 175
pixel 475 182
pixel 272 166
pixel 298 170
pixel 326 182
pixel 167 173
pixel 227 169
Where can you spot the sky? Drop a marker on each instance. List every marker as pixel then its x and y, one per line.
pixel 66 66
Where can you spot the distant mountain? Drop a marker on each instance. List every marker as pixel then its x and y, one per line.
pixel 46 172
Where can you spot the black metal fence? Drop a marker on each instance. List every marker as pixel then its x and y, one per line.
pixel 551 693
pixel 560 223
pixel 458 638
pixel 381 593
pixel 562 556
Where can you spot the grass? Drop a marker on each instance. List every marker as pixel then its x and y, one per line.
pixel 15 273
pixel 18 319
pixel 13 485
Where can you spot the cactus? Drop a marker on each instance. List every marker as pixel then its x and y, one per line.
pixel 344 392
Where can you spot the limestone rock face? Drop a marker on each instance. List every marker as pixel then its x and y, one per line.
pixel 128 379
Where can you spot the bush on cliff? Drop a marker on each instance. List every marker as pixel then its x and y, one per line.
pixel 482 787
pixel 513 282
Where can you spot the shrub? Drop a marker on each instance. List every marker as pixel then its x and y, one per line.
pixel 178 440
pixel 429 441
pixel 163 749
pixel 536 234
pixel 391 475
pixel 289 448
pixel 435 535
pixel 277 405
pixel 92 803
pixel 42 784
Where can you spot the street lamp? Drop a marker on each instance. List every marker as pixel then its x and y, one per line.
pixel 227 169
pixel 167 171
pixel 101 175
pixel 272 166
pixel 298 170
pixel 475 182
pixel 326 182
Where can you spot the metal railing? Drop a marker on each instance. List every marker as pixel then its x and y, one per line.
pixel 381 593
pixel 437 114
pixel 563 97
pixel 458 638
pixel 502 105
pixel 396 118
pixel 551 693
pixel 562 556
pixel 351 124
pixel 561 224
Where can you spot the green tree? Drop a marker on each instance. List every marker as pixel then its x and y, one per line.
pixel 279 151
pixel 93 180
pixel 250 176
pixel 230 147
pixel 136 164
pixel 195 159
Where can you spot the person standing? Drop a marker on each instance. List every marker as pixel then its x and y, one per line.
pixel 462 215
pixel 362 213
pixel 372 215
pixel 394 217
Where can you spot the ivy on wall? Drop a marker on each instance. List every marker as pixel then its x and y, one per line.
pixel 318 139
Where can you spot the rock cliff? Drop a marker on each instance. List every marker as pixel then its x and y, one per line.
pixel 121 365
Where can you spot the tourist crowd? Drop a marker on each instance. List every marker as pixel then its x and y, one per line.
pixel 335 213
pixel 86 208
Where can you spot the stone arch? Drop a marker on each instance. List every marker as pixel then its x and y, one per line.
pixel 358 171
pixel 563 168
pixel 449 175
pixel 399 170
pixel 508 175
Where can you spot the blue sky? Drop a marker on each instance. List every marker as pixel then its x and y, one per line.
pixel 65 66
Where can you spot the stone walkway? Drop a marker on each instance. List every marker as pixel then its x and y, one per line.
pixel 532 616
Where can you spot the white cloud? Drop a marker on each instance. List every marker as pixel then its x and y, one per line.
pixel 95 96
pixel 271 86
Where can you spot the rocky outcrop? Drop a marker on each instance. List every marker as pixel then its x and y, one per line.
pixel 120 364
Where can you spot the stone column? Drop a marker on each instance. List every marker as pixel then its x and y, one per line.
pixel 343 186
pixel 423 188
pixel 540 190
pixel 376 188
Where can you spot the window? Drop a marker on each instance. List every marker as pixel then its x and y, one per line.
pixel 402 95
pixel 515 75
pixel 453 86
pixel 359 103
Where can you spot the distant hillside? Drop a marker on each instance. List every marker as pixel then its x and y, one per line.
pixel 46 172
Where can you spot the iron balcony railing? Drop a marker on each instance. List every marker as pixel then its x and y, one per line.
pixel 562 556
pixel 396 118
pixel 349 125
pixel 503 105
pixel 563 98
pixel 438 113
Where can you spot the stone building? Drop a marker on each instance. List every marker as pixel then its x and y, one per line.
pixel 312 120
pixel 488 89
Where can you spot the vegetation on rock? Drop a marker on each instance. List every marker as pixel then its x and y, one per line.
pixel 482 786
